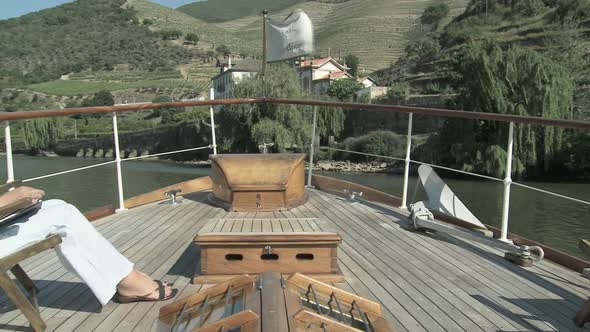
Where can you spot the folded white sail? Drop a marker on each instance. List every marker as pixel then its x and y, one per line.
pixel 289 38
pixel 442 198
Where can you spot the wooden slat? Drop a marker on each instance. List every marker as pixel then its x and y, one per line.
pixel 273 310
pixel 422 281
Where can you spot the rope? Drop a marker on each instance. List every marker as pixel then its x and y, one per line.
pixel 577 200
pixel 167 153
pixel 69 171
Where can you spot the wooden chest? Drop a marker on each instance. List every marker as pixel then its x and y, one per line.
pixel 224 255
pixel 258 182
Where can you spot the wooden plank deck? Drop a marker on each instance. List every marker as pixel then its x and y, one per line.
pixel 425 282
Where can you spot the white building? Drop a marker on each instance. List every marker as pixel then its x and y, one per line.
pixel 230 75
pixel 316 75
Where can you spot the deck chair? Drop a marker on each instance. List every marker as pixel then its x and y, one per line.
pixel 29 308
pixel 583 315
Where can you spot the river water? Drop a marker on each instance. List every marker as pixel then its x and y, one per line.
pixel 554 221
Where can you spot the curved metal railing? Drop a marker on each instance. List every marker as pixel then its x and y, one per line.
pixel 114 110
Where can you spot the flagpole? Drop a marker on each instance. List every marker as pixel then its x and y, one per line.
pixel 264 16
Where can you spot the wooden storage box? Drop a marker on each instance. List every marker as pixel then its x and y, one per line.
pixel 225 255
pixel 258 182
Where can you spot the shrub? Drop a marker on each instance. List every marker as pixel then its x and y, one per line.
pixel 398 92
pixel 171 34
pixel 191 38
pixel 529 8
pixel 343 89
pixel 434 14
pixel 223 49
pixel 147 21
pixel 384 143
pixel 425 48
pixel 576 9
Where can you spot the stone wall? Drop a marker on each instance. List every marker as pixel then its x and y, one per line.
pixel 143 142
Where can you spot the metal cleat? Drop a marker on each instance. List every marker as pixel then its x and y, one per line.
pixel 172 194
pixel 352 195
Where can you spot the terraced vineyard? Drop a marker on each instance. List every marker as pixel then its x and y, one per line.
pixel 78 87
pixel 210 36
pixel 374 30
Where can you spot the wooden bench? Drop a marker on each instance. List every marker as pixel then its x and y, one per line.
pixel 11 262
pixel 258 182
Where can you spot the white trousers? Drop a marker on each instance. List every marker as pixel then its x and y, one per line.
pixel 84 251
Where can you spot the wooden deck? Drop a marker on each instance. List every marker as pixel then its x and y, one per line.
pixel 425 282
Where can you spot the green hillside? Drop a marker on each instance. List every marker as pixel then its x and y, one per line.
pixel 165 19
pixel 85 34
pixel 227 10
pixel 374 30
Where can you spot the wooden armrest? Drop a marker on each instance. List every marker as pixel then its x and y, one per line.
pixel 15 206
pixel 6 187
pixel 9 261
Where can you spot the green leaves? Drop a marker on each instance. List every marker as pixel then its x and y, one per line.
pixel 513 81
pixel 344 88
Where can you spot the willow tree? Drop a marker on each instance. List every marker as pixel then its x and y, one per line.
pixel 42 133
pixel 516 81
pixel 289 127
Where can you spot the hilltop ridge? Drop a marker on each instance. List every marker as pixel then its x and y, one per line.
pixel 374 30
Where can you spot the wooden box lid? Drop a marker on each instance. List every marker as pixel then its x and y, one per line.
pixel 228 239
pixel 257 171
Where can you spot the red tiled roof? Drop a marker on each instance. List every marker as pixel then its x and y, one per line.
pixel 338 74
pixel 316 62
pixel 334 76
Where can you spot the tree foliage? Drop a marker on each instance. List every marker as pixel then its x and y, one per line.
pixel 529 8
pixel 573 9
pixel 434 14
pixel 170 34
pixel 513 81
pixel 191 38
pixel 95 34
pixel 244 127
pixel 42 133
pixel 344 88
pixel 223 49
pixel 352 62
pixel 425 48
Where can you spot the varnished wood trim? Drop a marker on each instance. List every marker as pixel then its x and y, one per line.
pixel 99 213
pixel 372 107
pixel 309 317
pixel 167 312
pixel 303 282
pixel 337 186
pixel 240 319
pixel 235 238
pixel 190 186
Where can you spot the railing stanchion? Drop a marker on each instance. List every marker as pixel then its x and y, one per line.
pixel 507 183
pixel 311 150
pixel 9 164
pixel 118 163
pixel 211 111
pixel 407 162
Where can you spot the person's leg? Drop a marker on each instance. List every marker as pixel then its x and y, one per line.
pixel 85 252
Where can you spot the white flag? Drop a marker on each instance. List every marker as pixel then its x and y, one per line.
pixel 290 38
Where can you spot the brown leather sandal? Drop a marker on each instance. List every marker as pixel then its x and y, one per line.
pixel 146 298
